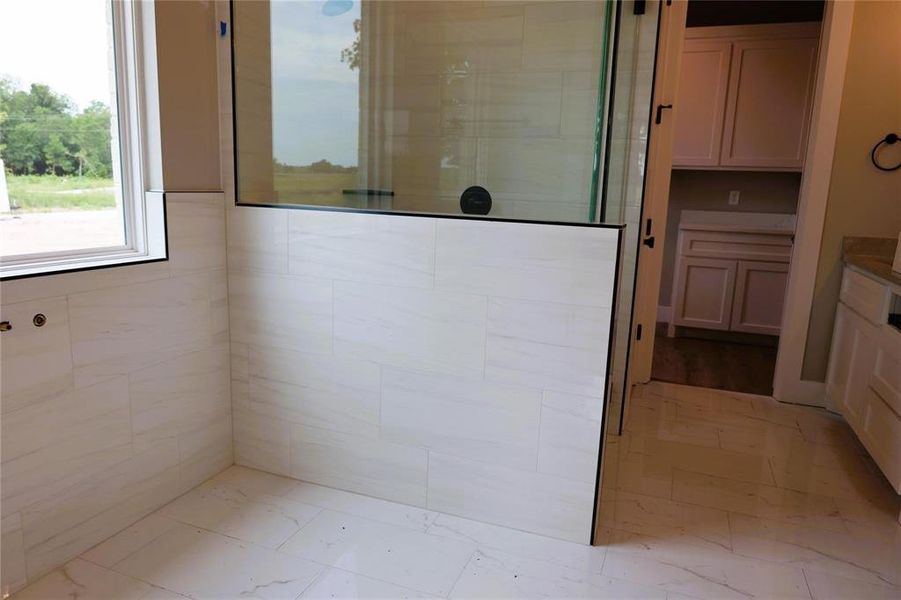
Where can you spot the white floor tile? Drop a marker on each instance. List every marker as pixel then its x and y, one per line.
pixel 86 581
pixel 337 583
pixel 427 563
pixel 201 564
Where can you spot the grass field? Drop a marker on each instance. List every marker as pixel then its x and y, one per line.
pixel 315 188
pixel 46 193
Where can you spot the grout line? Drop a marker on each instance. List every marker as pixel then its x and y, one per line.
pixel 806 582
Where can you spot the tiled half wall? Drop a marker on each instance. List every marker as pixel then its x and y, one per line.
pixel 452 364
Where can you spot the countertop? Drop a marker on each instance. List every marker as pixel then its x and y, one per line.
pixel 743 222
pixel 872 256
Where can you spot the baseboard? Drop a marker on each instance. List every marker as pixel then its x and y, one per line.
pixel 664 314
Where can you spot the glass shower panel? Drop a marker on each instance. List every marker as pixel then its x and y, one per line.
pixel 422 106
pixel 627 140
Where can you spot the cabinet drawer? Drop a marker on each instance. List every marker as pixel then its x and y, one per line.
pixel 886 377
pixel 881 434
pixel 740 246
pixel 869 298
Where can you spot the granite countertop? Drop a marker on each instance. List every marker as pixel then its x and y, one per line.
pixel 872 256
pixel 744 222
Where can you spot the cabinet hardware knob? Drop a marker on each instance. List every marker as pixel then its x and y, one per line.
pixel 39 320
pixel 5 326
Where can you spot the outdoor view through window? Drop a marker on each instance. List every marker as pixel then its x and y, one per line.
pixel 59 167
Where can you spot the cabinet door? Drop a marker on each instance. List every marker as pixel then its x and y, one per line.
pixel 768 111
pixel 701 104
pixel 759 296
pixel 704 288
pixel 850 363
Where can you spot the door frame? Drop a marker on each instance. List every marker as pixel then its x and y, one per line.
pixel 832 57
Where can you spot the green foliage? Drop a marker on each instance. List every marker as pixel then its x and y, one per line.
pixel 42 133
pixel 42 193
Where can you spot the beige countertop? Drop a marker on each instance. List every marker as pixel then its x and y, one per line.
pixel 742 222
pixel 872 256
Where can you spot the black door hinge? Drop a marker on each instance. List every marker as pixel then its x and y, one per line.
pixel 639 7
pixel 660 108
pixel 638 332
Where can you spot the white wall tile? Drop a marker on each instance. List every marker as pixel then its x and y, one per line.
pixel 473 419
pixel 12 549
pixel 358 247
pixel 570 436
pixel 537 502
pixel 119 330
pixel 533 262
pixel 172 397
pixel 59 528
pixel 551 346
pixel 262 442
pixel 53 444
pixel 405 327
pixel 37 361
pixel 349 462
pixel 258 239
pixel 196 230
pixel 290 312
pixel 331 392
pixel 205 451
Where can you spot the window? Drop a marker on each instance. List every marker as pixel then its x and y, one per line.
pixel 72 187
pixel 489 108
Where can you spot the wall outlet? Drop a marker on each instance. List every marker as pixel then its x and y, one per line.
pixel 733 197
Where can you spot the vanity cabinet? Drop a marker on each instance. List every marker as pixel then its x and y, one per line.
pixel 745 95
pixel 863 381
pixel 731 271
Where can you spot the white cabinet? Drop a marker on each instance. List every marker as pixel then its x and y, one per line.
pixel 864 377
pixel 731 271
pixel 759 296
pixel 745 95
pixel 701 103
pixel 707 286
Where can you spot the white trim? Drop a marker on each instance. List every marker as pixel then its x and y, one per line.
pixel 143 213
pixel 762 30
pixel 664 314
pixel 788 386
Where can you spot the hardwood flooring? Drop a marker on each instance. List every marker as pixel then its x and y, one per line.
pixel 713 364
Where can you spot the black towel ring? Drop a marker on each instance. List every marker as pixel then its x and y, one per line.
pixel 888 140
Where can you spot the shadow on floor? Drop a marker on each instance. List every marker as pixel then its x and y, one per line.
pixel 713 364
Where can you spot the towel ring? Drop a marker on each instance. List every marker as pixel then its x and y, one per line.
pixel 888 140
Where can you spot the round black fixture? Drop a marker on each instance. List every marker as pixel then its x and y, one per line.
pixel 475 200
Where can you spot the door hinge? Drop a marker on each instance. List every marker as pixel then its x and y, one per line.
pixel 649 240
pixel 639 7
pixel 660 108
pixel 638 332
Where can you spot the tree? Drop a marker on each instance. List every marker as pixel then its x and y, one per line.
pixel 42 132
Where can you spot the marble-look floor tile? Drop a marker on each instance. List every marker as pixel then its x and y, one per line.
pixel 496 574
pixel 842 553
pixel 376 509
pixel 852 482
pixel 338 583
pixel 521 543
pixel 398 555
pixel 778 504
pixel 86 581
pixel 829 586
pixel 669 519
pixel 698 571
pixel 116 548
pixel 260 519
pixel 201 564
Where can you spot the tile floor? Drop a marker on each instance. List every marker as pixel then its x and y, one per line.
pixel 708 494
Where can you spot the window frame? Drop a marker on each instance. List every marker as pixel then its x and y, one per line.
pixel 144 218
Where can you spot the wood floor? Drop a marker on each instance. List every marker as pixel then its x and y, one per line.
pixel 713 364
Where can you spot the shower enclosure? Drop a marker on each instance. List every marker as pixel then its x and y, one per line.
pixel 480 154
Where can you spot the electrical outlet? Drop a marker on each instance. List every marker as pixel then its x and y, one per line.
pixel 733 197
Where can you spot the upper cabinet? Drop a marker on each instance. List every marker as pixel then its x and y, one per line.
pixel 745 95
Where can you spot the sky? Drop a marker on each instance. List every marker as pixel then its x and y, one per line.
pixel 315 96
pixel 62 43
